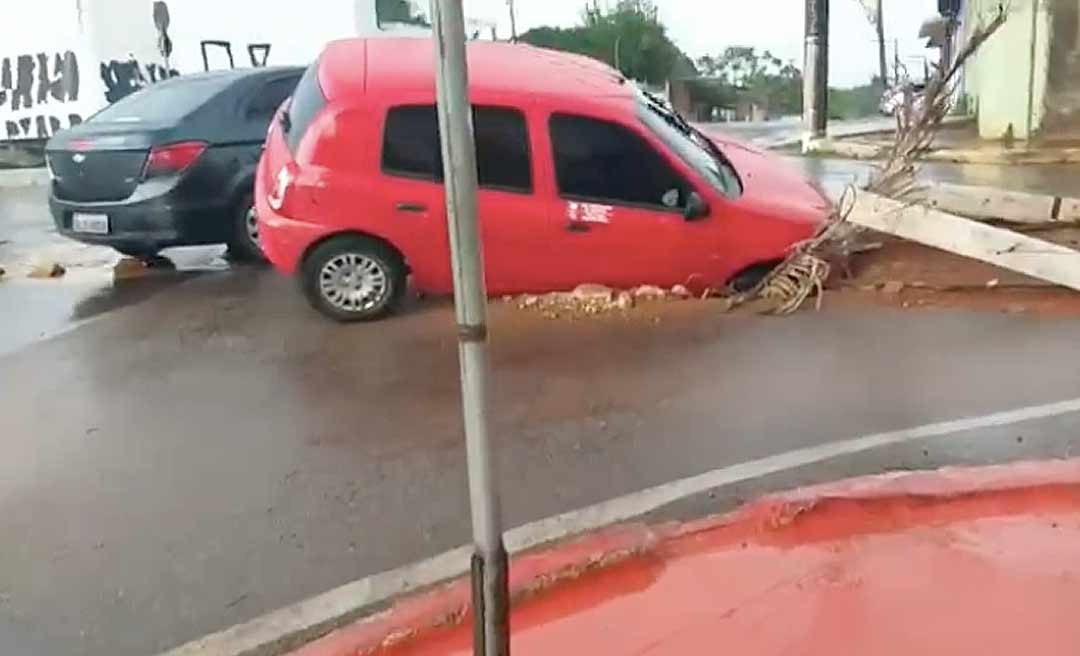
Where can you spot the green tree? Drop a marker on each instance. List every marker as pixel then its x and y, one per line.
pixel 762 76
pixel 629 36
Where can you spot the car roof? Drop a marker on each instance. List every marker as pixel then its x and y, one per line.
pixel 225 76
pixel 352 67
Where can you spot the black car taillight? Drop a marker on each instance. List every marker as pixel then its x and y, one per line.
pixel 172 159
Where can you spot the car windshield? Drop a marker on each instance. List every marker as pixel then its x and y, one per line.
pixel 692 147
pixel 162 103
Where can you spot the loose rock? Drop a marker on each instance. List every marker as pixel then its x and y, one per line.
pixel 680 291
pixel 47 270
pixel 649 291
pixel 624 301
pixel 590 292
pixel 893 287
pixel 128 268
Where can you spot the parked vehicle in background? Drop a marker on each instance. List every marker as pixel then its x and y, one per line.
pixel 583 178
pixel 896 97
pixel 170 165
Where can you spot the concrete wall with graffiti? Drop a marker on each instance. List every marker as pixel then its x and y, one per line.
pixel 63 60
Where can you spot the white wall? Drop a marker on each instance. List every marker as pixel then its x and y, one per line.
pixel 35 102
pixel 115 46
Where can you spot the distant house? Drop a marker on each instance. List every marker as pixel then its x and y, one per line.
pixel 712 99
pixel 1026 78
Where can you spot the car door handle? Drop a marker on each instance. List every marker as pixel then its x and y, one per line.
pixel 578 226
pixel 411 207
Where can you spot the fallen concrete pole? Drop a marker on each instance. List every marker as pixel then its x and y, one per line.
pixel 1001 204
pixel 1004 248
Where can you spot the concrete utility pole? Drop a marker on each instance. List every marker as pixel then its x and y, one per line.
pixel 883 61
pixel 513 20
pixel 490 588
pixel 816 72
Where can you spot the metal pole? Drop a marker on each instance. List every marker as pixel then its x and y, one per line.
pixel 491 603
pixel 883 62
pixel 513 21
pixel 816 77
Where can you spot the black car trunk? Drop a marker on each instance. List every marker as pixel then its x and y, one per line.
pixel 100 162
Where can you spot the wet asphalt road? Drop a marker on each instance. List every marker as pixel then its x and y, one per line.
pixel 202 448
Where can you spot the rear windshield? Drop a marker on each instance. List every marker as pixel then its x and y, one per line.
pixel 165 102
pixel 308 100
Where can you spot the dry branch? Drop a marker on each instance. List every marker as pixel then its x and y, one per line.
pixel 807 267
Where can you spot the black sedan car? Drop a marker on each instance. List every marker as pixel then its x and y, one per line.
pixel 170 165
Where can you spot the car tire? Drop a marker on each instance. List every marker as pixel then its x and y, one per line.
pixel 244 243
pixel 749 277
pixel 353 278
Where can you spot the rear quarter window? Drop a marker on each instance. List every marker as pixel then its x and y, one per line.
pixel 308 100
pixel 268 96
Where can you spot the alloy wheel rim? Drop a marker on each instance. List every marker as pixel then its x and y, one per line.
pixel 251 222
pixel 353 282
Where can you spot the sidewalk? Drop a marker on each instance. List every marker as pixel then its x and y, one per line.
pixel 10 178
pixel 956 144
pixel 957 561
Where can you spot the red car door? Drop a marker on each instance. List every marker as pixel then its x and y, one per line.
pixel 621 203
pixel 515 226
pixel 408 201
pixel 514 222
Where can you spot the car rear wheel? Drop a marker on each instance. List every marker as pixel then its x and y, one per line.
pixel 353 278
pixel 244 245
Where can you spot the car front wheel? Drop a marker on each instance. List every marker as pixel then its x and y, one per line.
pixel 353 278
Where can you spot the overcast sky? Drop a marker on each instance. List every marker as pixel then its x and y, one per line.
pixel 708 26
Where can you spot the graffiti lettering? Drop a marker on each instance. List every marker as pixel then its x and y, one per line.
pixel 35 80
pixel 61 83
pixel 43 126
pixel 122 78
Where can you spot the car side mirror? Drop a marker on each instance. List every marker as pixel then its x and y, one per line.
pixel 696 207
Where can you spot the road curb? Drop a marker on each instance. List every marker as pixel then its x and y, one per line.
pixel 288 628
pixel 949 122
pixel 888 496
pixel 837 147
pixel 15 178
pixel 992 203
pixel 530 574
pixel 310 625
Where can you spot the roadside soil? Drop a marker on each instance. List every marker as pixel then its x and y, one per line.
pixel 909 275
pixel 896 274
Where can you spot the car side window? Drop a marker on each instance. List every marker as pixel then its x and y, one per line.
pixel 269 97
pixel 411 146
pixel 601 161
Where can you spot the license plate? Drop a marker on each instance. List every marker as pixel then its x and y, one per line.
pixel 97 224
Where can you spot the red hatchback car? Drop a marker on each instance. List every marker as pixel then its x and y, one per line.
pixel 583 179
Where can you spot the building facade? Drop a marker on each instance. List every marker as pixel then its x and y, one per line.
pixel 1025 80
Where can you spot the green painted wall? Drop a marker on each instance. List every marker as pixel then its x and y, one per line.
pixel 1006 80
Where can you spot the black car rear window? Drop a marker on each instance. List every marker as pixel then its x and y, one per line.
pixel 308 100
pixel 165 102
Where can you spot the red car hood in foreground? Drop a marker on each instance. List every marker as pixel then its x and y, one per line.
pixel 953 562
pixel 771 184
